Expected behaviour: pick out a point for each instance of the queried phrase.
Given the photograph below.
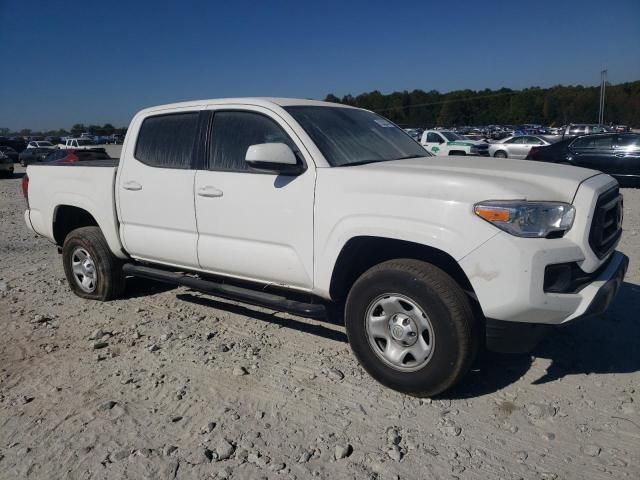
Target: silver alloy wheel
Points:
(399, 332)
(84, 270)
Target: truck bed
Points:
(88, 185)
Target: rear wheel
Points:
(500, 154)
(411, 327)
(91, 269)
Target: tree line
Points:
(75, 131)
(555, 106)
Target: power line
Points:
(441, 102)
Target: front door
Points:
(254, 225)
(435, 143)
(155, 190)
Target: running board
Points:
(230, 292)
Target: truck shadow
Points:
(141, 287)
(253, 312)
(601, 345)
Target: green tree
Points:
(78, 129)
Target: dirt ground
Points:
(168, 383)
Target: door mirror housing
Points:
(273, 158)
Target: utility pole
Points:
(603, 87)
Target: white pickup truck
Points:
(77, 143)
(445, 142)
(299, 205)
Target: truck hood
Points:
(475, 179)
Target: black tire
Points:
(500, 154)
(457, 152)
(455, 328)
(109, 278)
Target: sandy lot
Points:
(168, 383)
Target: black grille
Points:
(606, 226)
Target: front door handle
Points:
(619, 155)
(132, 185)
(209, 191)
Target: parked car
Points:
(32, 155)
(414, 133)
(573, 130)
(18, 144)
(77, 143)
(40, 144)
(516, 147)
(9, 152)
(426, 256)
(6, 165)
(617, 154)
(69, 155)
(446, 142)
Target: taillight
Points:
(25, 188)
(72, 157)
(533, 151)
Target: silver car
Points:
(516, 147)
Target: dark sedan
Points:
(31, 155)
(9, 152)
(615, 154)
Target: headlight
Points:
(528, 219)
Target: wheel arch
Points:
(363, 252)
(67, 218)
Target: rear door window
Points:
(167, 141)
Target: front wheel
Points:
(500, 154)
(91, 269)
(411, 327)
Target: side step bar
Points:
(230, 292)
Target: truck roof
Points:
(258, 101)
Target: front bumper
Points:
(519, 337)
(507, 275)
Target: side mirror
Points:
(273, 158)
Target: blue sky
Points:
(68, 62)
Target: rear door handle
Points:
(209, 191)
(619, 155)
(132, 185)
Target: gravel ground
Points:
(167, 383)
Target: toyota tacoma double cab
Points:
(311, 207)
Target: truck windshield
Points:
(348, 136)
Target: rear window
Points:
(167, 141)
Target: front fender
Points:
(457, 243)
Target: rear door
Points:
(528, 143)
(254, 225)
(155, 189)
(517, 147)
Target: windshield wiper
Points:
(361, 162)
